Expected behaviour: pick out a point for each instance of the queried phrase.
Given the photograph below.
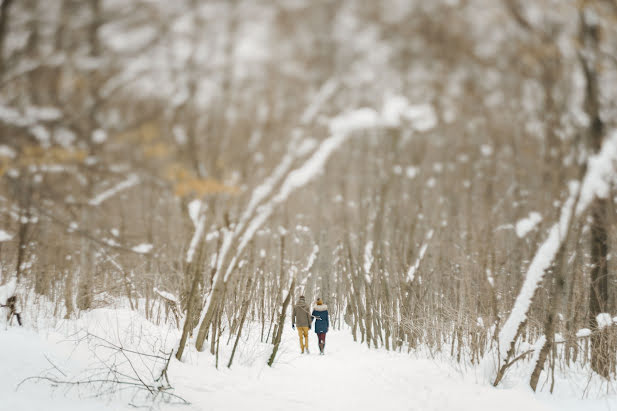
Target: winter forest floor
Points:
(349, 376)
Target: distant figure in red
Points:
(322, 323)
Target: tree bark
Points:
(4, 18)
(598, 288)
(281, 324)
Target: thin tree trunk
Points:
(557, 291)
(281, 324)
(598, 288)
(4, 19)
(243, 312)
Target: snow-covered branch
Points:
(596, 183)
(131, 181)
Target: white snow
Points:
(99, 136)
(600, 173)
(486, 150)
(6, 151)
(368, 257)
(489, 277)
(64, 136)
(527, 224)
(4, 236)
(324, 93)
(142, 248)
(43, 113)
(180, 135)
(311, 259)
(199, 221)
(166, 295)
(42, 135)
(194, 209)
(423, 117)
(307, 145)
(411, 273)
(411, 172)
(583, 332)
(132, 180)
(397, 108)
(7, 290)
(200, 226)
(360, 119)
(348, 376)
(393, 109)
(604, 320)
(11, 116)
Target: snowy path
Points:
(348, 377)
(352, 377)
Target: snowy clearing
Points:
(349, 376)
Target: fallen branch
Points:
(118, 371)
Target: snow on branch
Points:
(368, 260)
(312, 258)
(4, 236)
(324, 93)
(527, 224)
(295, 179)
(199, 231)
(596, 183)
(8, 289)
(195, 209)
(411, 274)
(143, 248)
(126, 184)
(604, 320)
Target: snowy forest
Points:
(174, 175)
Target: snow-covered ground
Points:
(349, 376)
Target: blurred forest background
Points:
(116, 116)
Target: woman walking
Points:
(322, 323)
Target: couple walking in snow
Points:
(303, 318)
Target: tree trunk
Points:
(4, 18)
(281, 324)
(244, 311)
(601, 357)
(598, 288)
(557, 291)
(191, 305)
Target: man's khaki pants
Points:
(303, 334)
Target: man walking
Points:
(302, 318)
